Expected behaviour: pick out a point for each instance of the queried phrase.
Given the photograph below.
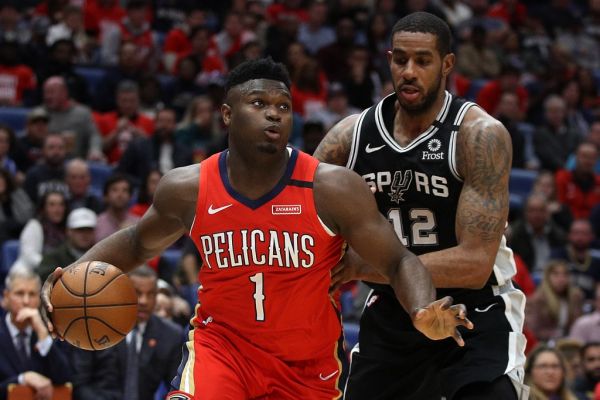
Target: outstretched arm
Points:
(358, 220)
(168, 218)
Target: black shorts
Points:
(394, 361)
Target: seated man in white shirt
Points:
(28, 355)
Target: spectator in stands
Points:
(535, 235)
(17, 80)
(71, 28)
(508, 81)
(309, 88)
(186, 86)
(585, 328)
(361, 82)
(580, 189)
(81, 223)
(128, 68)
(582, 48)
(199, 128)
(12, 24)
(152, 96)
(584, 263)
(545, 184)
(577, 118)
(28, 149)
(475, 59)
(49, 172)
(177, 41)
(68, 115)
(590, 359)
(15, 207)
(60, 62)
(589, 92)
(232, 37)
(133, 28)
(336, 110)
(78, 180)
(29, 356)
(158, 342)
(117, 196)
(555, 304)
(7, 143)
(315, 34)
(120, 127)
(378, 39)
(171, 306)
(553, 141)
(592, 136)
(570, 349)
(331, 58)
(43, 233)
(97, 14)
(545, 372)
(202, 51)
(95, 375)
(146, 193)
(159, 151)
(511, 116)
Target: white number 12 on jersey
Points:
(259, 297)
(423, 224)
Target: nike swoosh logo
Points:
(331, 375)
(370, 149)
(485, 309)
(212, 210)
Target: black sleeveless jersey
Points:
(417, 186)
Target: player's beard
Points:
(427, 102)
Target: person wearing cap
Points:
(81, 223)
(28, 149)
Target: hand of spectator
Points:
(440, 319)
(46, 305)
(33, 318)
(40, 384)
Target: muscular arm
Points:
(167, 219)
(335, 146)
(370, 234)
(484, 154)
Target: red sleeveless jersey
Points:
(267, 262)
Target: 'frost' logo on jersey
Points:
(434, 145)
(286, 210)
(400, 184)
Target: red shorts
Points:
(218, 364)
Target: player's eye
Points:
(285, 107)
(257, 102)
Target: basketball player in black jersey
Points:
(439, 168)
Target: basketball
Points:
(94, 305)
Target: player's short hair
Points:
(424, 22)
(262, 68)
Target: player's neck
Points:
(255, 176)
(409, 125)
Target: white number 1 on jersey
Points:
(259, 297)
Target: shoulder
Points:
(335, 146)
(477, 120)
(177, 190)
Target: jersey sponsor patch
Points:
(178, 395)
(433, 152)
(292, 209)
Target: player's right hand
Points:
(46, 304)
(440, 320)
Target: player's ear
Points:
(448, 63)
(226, 113)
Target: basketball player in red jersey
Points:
(269, 222)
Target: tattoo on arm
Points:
(335, 146)
(485, 161)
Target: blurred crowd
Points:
(100, 98)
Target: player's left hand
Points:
(440, 319)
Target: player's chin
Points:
(269, 147)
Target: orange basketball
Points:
(95, 305)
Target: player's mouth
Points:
(409, 92)
(273, 132)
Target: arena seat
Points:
(351, 330)
(93, 76)
(520, 185)
(99, 173)
(171, 259)
(10, 252)
(15, 117)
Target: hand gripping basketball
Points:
(440, 319)
(92, 305)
